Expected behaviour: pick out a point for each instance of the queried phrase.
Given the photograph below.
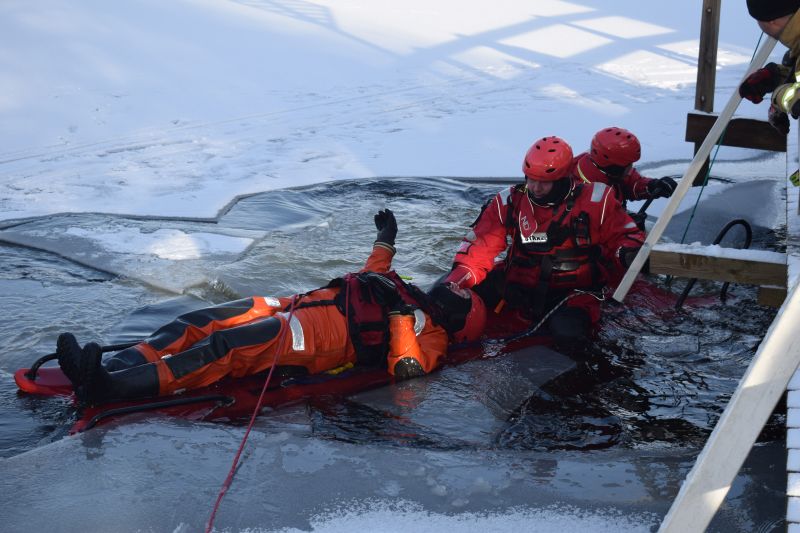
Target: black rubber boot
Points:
(69, 358)
(407, 368)
(92, 376)
(571, 329)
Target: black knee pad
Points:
(570, 328)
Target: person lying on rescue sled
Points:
(610, 160)
(369, 318)
(568, 241)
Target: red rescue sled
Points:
(235, 399)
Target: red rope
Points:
(228, 480)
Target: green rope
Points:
(703, 187)
(711, 163)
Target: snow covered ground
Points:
(173, 110)
(176, 109)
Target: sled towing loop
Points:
(31, 374)
(747, 240)
(220, 399)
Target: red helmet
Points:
(549, 159)
(461, 311)
(475, 322)
(615, 147)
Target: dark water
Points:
(650, 379)
(654, 379)
(650, 376)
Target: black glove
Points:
(627, 255)
(387, 226)
(778, 119)
(662, 187)
(761, 82)
(382, 289)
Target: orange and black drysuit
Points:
(575, 245)
(349, 321)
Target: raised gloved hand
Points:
(778, 119)
(387, 226)
(761, 82)
(661, 187)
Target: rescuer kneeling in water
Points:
(369, 318)
(568, 241)
(610, 160)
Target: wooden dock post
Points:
(706, 71)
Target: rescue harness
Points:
(563, 258)
(365, 299)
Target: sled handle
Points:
(31, 374)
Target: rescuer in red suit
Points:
(610, 160)
(562, 239)
(369, 318)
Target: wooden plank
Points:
(749, 408)
(696, 265)
(683, 185)
(741, 132)
(771, 296)
(707, 60)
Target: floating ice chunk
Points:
(439, 490)
(460, 502)
(680, 344)
(163, 243)
(481, 486)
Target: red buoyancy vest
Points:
(366, 299)
(575, 244)
(560, 253)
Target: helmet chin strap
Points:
(611, 176)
